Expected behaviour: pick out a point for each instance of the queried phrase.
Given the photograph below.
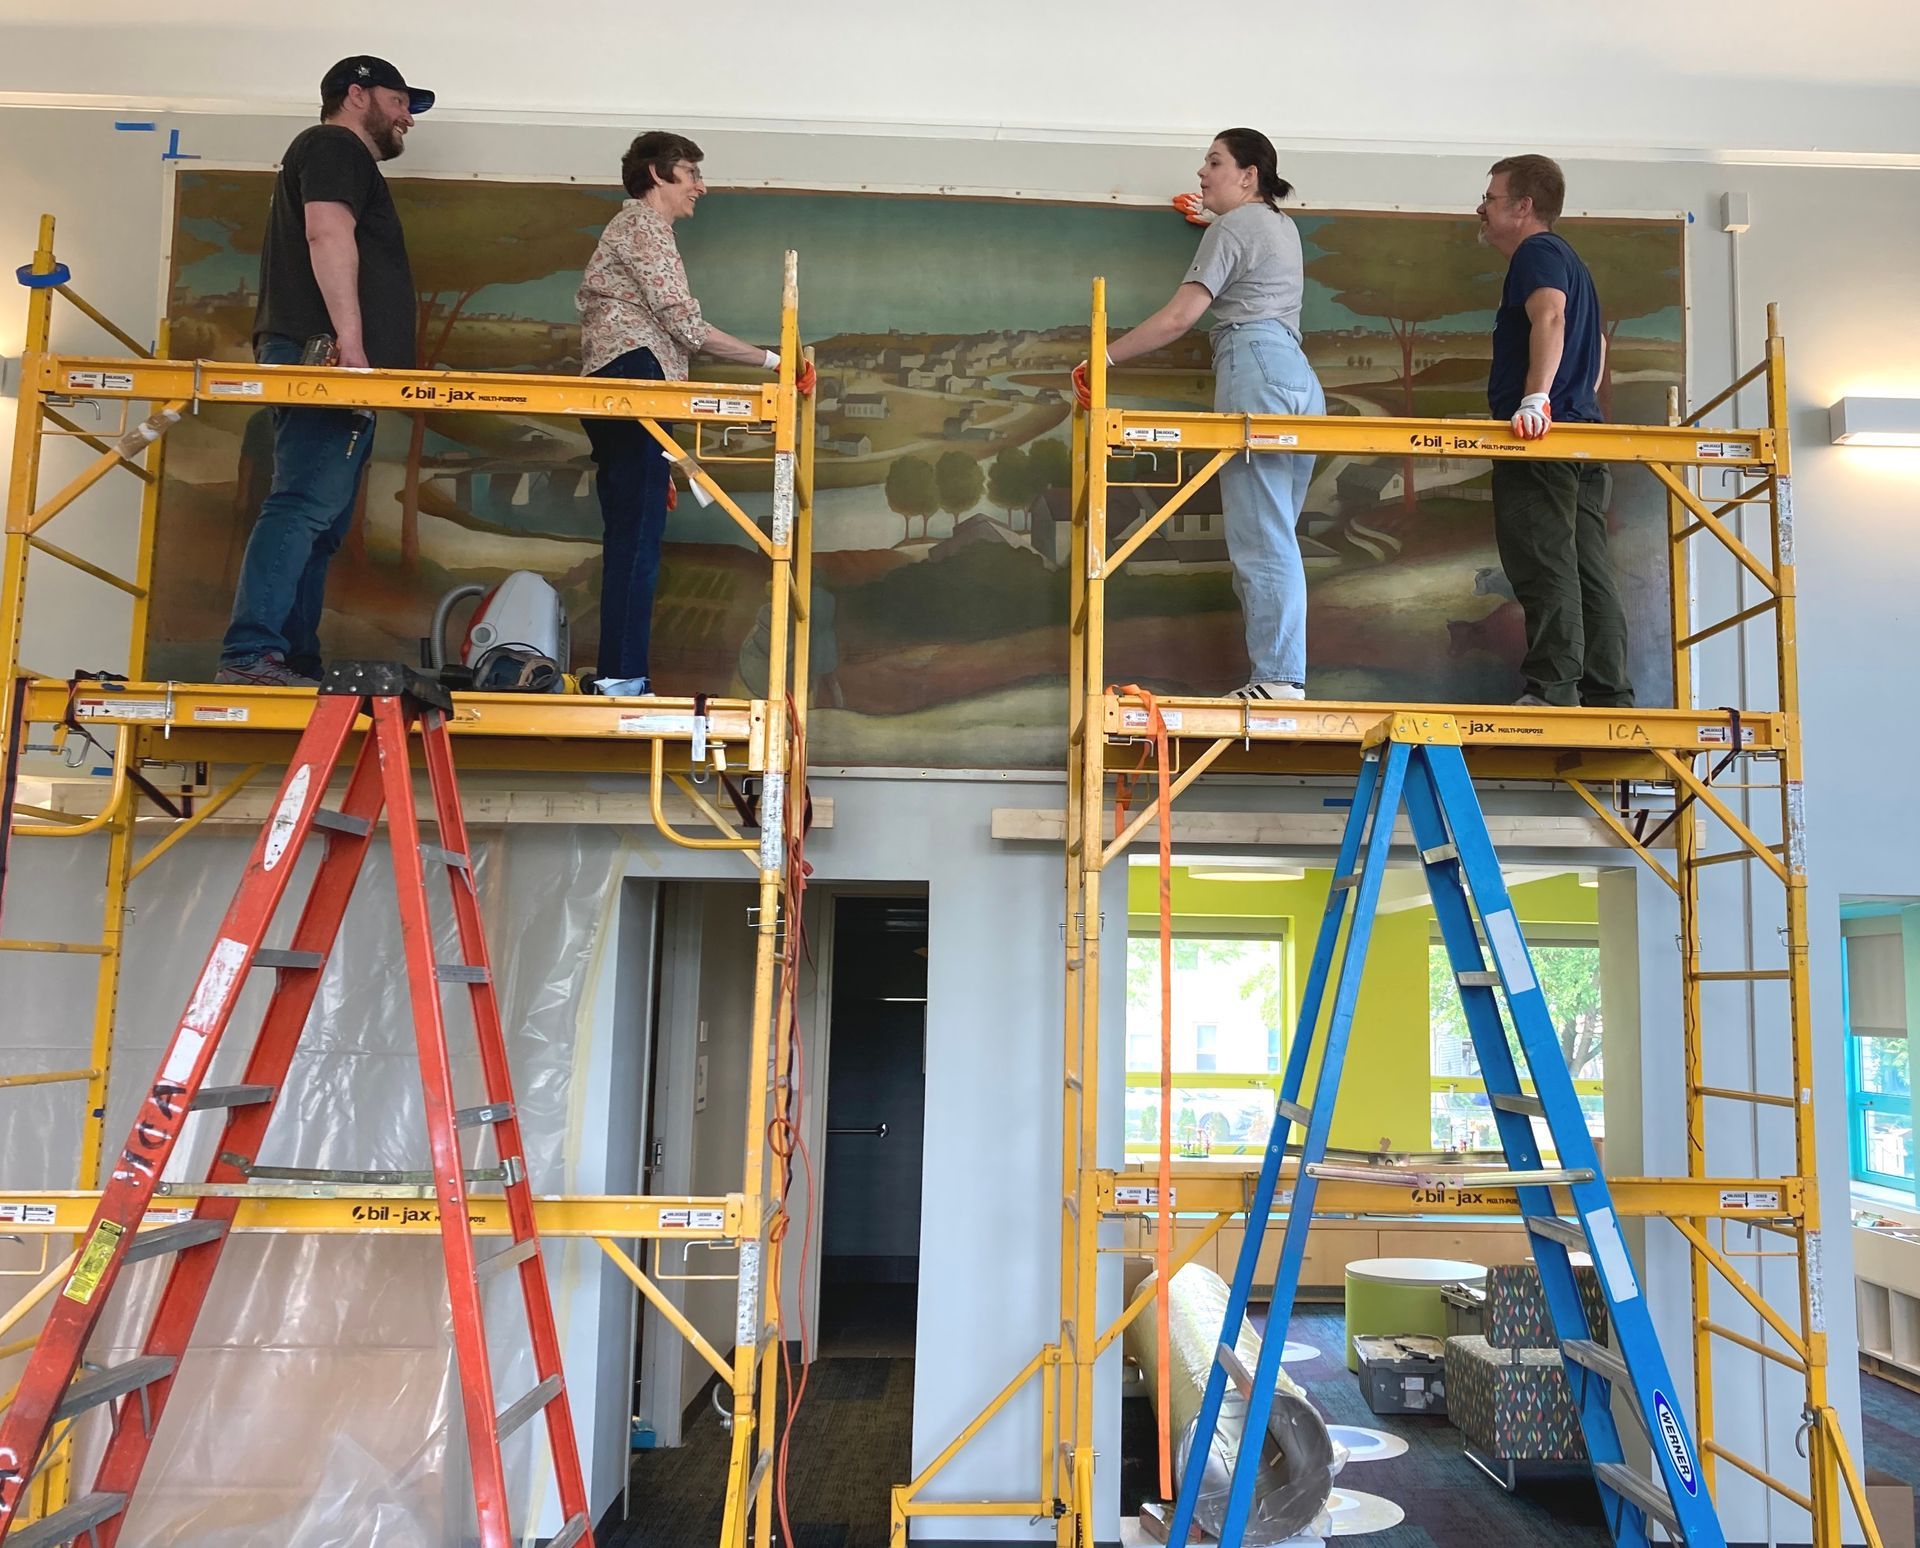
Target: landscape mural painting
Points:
(945, 329)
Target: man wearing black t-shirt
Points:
(334, 263)
(1550, 518)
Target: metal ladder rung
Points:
(341, 822)
(1294, 1112)
(1529, 1106)
(64, 948)
(1635, 1487)
(519, 1412)
(1237, 1373)
(173, 1238)
(438, 854)
(97, 1387)
(228, 1096)
(569, 1534)
(473, 1117)
(1346, 883)
(1604, 1363)
(274, 957)
(460, 973)
(500, 1262)
(1438, 853)
(1567, 1232)
(508, 1172)
(64, 1525)
(1482, 980)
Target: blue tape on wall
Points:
(173, 151)
(125, 126)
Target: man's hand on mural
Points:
(1534, 418)
(1189, 205)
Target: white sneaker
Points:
(1258, 690)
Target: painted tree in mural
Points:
(960, 483)
(1051, 465)
(461, 238)
(1409, 275)
(1010, 482)
(912, 491)
(1636, 271)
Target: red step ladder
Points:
(398, 701)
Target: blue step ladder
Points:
(1415, 761)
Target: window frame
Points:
(1536, 935)
(1860, 1102)
(1240, 927)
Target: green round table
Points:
(1402, 1295)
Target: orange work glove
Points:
(673, 493)
(1189, 205)
(806, 379)
(1534, 418)
(1082, 385)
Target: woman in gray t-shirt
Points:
(1249, 271)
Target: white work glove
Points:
(1534, 417)
(773, 360)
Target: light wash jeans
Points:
(1260, 368)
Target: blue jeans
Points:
(317, 467)
(1259, 368)
(632, 483)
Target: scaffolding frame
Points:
(1591, 752)
(666, 741)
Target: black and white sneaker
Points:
(1257, 691)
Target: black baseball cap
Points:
(365, 70)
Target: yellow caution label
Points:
(94, 1258)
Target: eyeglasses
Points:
(692, 169)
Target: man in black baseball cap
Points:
(333, 267)
(365, 70)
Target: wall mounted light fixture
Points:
(1875, 422)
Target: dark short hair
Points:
(1538, 178)
(1251, 148)
(652, 157)
(330, 104)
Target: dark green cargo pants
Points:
(1550, 523)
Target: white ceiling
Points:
(1754, 80)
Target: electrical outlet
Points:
(703, 1031)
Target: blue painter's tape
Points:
(125, 126)
(173, 151)
(52, 280)
(1337, 801)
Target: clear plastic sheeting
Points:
(1300, 1460)
(317, 1407)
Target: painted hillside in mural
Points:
(945, 330)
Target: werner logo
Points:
(1675, 1442)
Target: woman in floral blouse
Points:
(639, 320)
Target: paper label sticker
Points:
(1610, 1255)
(656, 725)
(1503, 933)
(27, 1214)
(674, 1218)
(1272, 723)
(1144, 1198)
(238, 389)
(205, 713)
(746, 1322)
(1154, 434)
(286, 816)
(707, 1219)
(1667, 1422)
(1716, 449)
(100, 381)
(216, 983)
(113, 707)
(94, 1259)
(734, 408)
(1722, 736)
(1749, 1198)
(1273, 440)
(1140, 720)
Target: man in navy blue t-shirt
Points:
(1550, 518)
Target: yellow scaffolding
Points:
(665, 740)
(1588, 751)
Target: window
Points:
(1229, 1001)
(1873, 1002)
(1568, 966)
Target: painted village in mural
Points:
(944, 331)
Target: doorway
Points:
(876, 1109)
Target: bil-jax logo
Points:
(1675, 1442)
